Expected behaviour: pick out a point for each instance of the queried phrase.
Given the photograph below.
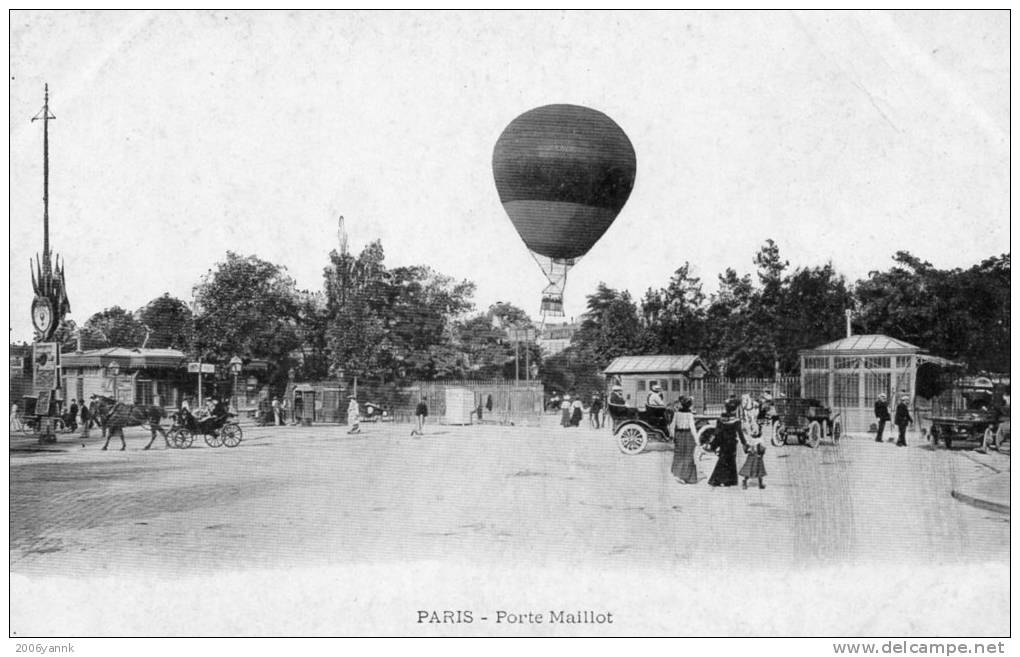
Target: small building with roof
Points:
(677, 374)
(848, 375)
(135, 376)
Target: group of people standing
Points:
(729, 434)
(902, 419)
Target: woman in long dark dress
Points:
(684, 468)
(727, 434)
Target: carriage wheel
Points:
(776, 437)
(989, 437)
(837, 431)
(1000, 436)
(213, 440)
(231, 435)
(814, 434)
(183, 438)
(632, 439)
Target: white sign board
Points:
(206, 368)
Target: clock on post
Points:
(50, 304)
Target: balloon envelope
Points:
(563, 173)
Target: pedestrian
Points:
(754, 464)
(596, 411)
(83, 410)
(276, 410)
(724, 443)
(576, 412)
(420, 413)
(882, 415)
(284, 410)
(902, 420)
(565, 411)
(353, 415)
(299, 407)
(72, 416)
(684, 469)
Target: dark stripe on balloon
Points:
(556, 229)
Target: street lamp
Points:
(114, 371)
(235, 367)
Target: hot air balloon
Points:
(563, 173)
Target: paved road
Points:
(541, 496)
(309, 531)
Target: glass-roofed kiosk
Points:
(848, 375)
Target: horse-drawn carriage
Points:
(217, 431)
(807, 420)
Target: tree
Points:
(169, 321)
(113, 327)
(958, 314)
(247, 307)
(487, 349)
(354, 333)
(675, 316)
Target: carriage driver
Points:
(217, 414)
(655, 407)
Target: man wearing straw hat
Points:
(882, 415)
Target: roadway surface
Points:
(546, 499)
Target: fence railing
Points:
(716, 390)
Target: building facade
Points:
(677, 375)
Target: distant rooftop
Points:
(654, 364)
(124, 357)
(873, 343)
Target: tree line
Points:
(394, 323)
(754, 324)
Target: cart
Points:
(807, 420)
(985, 418)
(216, 433)
(984, 427)
(44, 425)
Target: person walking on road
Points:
(276, 410)
(576, 411)
(724, 443)
(565, 411)
(902, 420)
(596, 411)
(420, 413)
(882, 415)
(353, 415)
(684, 470)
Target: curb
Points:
(980, 502)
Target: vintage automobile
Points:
(807, 420)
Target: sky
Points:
(843, 136)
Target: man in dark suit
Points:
(882, 414)
(902, 420)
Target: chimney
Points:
(849, 331)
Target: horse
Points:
(748, 414)
(113, 416)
